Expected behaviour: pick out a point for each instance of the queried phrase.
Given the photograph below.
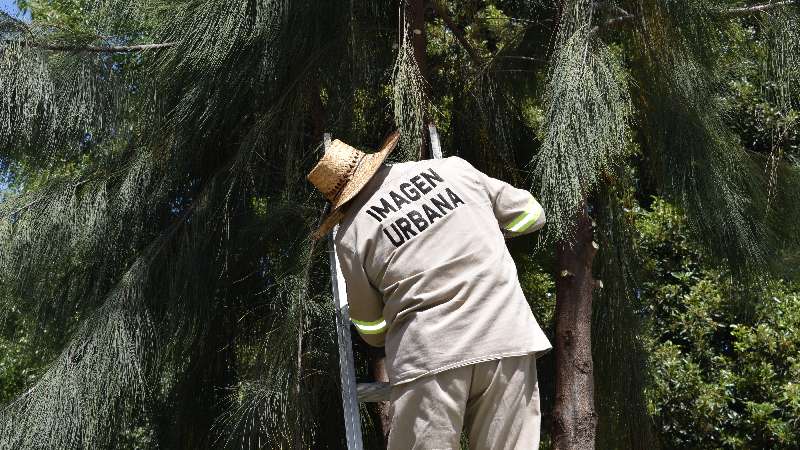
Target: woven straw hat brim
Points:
(365, 170)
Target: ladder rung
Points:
(373, 392)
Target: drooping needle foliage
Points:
(156, 227)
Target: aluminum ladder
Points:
(353, 393)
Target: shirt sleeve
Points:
(516, 210)
(365, 301)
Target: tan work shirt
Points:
(427, 271)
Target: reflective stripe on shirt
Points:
(521, 223)
(374, 327)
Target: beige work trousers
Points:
(496, 402)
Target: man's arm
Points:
(516, 210)
(366, 302)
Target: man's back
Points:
(422, 249)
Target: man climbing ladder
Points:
(421, 248)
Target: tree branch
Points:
(757, 8)
(742, 11)
(457, 32)
(96, 48)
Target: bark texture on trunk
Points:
(574, 417)
(415, 15)
(378, 369)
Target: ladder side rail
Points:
(436, 146)
(347, 372)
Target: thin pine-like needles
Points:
(586, 118)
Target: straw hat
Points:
(341, 174)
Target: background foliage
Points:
(158, 288)
(723, 354)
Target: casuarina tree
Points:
(157, 228)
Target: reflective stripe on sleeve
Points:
(374, 327)
(521, 223)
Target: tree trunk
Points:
(377, 367)
(574, 417)
(415, 13)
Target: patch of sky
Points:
(5, 178)
(10, 7)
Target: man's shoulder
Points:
(456, 160)
(345, 235)
(459, 165)
(386, 179)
